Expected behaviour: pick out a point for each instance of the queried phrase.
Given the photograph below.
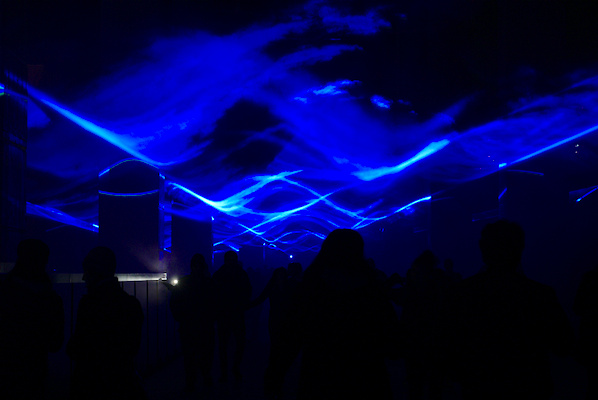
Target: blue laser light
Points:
(559, 143)
(371, 174)
(587, 194)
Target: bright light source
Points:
(175, 282)
(291, 256)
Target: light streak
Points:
(526, 172)
(587, 194)
(59, 216)
(128, 194)
(109, 136)
(124, 161)
(371, 174)
(557, 144)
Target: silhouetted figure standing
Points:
(107, 334)
(346, 325)
(31, 323)
(279, 291)
(501, 326)
(421, 301)
(192, 305)
(233, 293)
(586, 306)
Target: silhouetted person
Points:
(279, 291)
(233, 293)
(586, 306)
(501, 326)
(449, 271)
(346, 325)
(31, 323)
(192, 305)
(380, 275)
(421, 301)
(107, 334)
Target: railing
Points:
(159, 343)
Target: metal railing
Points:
(159, 343)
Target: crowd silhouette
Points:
(342, 320)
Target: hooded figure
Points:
(345, 324)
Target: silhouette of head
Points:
(99, 264)
(199, 265)
(342, 248)
(425, 262)
(32, 258)
(231, 258)
(502, 244)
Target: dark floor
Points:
(168, 383)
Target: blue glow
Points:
(128, 194)
(111, 137)
(371, 174)
(291, 256)
(557, 144)
(526, 172)
(328, 90)
(334, 21)
(502, 193)
(381, 101)
(124, 161)
(329, 148)
(59, 216)
(587, 194)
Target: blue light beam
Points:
(371, 174)
(557, 144)
(109, 136)
(587, 194)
